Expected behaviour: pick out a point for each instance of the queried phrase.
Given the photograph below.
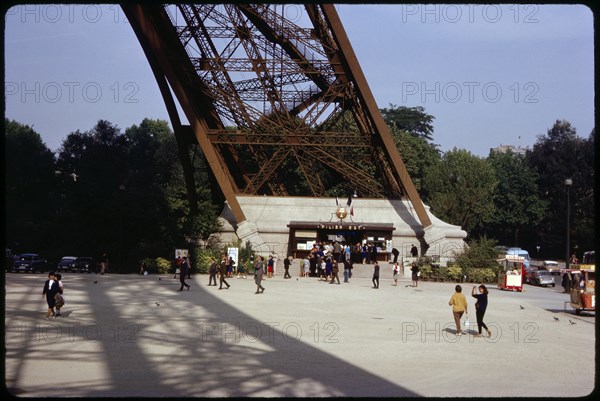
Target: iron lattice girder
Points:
(303, 80)
(298, 139)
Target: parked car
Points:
(66, 264)
(541, 277)
(551, 266)
(29, 262)
(85, 264)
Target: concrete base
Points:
(267, 219)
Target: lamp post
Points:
(568, 183)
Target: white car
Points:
(551, 266)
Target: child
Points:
(59, 299)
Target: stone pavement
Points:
(130, 335)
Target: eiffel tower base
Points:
(269, 219)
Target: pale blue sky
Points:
(489, 74)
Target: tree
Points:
(556, 156)
(418, 156)
(412, 131)
(517, 202)
(461, 189)
(413, 120)
(30, 190)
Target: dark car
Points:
(85, 264)
(29, 262)
(67, 264)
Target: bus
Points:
(519, 252)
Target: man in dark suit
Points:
(183, 273)
(223, 271)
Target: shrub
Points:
(482, 275)
(426, 271)
(455, 272)
(163, 266)
(202, 259)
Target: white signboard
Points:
(233, 254)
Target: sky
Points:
(490, 75)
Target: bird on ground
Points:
(159, 279)
(521, 306)
(555, 318)
(96, 282)
(157, 304)
(572, 322)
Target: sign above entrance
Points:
(340, 226)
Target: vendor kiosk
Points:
(512, 275)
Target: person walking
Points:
(49, 291)
(459, 307)
(480, 307)
(328, 268)
(415, 274)
(376, 276)
(414, 252)
(212, 272)
(337, 251)
(335, 269)
(59, 299)
(177, 266)
(241, 270)
(566, 282)
(287, 262)
(347, 269)
(306, 265)
(223, 273)
(183, 273)
(258, 274)
(395, 273)
(104, 263)
(270, 267)
(230, 266)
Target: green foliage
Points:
(454, 272)
(426, 272)
(413, 120)
(202, 259)
(461, 189)
(517, 201)
(158, 265)
(478, 261)
(556, 156)
(484, 275)
(31, 201)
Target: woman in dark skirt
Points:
(415, 274)
(50, 290)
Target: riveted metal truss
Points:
(271, 99)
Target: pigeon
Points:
(571, 322)
(157, 304)
(555, 318)
(159, 279)
(96, 282)
(521, 306)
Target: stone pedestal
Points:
(267, 219)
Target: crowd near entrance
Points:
(362, 242)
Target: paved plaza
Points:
(130, 335)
